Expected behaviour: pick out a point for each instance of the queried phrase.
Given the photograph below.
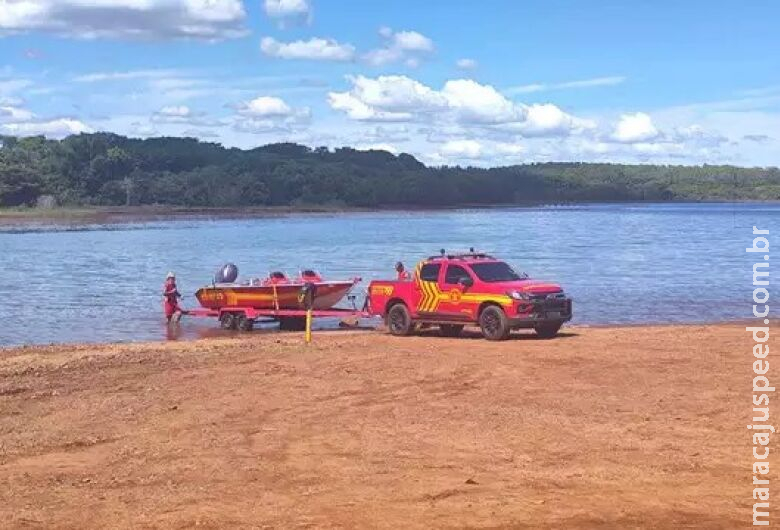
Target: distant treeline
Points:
(107, 169)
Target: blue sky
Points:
(452, 82)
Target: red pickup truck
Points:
(451, 291)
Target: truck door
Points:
(452, 288)
(427, 286)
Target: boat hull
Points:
(286, 296)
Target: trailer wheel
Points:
(292, 323)
(399, 321)
(547, 330)
(494, 324)
(244, 323)
(451, 330)
(227, 321)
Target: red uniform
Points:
(171, 295)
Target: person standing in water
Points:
(171, 299)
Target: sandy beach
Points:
(623, 427)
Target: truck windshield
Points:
(496, 271)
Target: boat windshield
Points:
(496, 271)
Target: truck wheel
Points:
(292, 324)
(227, 321)
(244, 323)
(399, 321)
(547, 330)
(451, 330)
(493, 322)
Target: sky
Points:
(482, 83)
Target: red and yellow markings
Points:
(380, 290)
(432, 296)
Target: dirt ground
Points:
(600, 428)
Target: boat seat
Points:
(276, 278)
(308, 275)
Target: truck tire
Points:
(547, 330)
(451, 330)
(399, 321)
(244, 323)
(227, 321)
(493, 323)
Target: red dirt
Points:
(599, 428)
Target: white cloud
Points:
(10, 86)
(510, 150)
(660, 148)
(200, 133)
(634, 128)
(15, 114)
(269, 114)
(11, 101)
(382, 56)
(462, 106)
(178, 111)
(265, 107)
(315, 49)
(478, 151)
(57, 128)
(466, 64)
(163, 86)
(143, 130)
(758, 138)
(587, 83)
(378, 147)
(582, 83)
(356, 109)
(127, 19)
(412, 41)
(286, 8)
(407, 46)
(549, 120)
(386, 134)
(480, 103)
(99, 77)
(395, 93)
(386, 98)
(182, 114)
(525, 89)
(468, 149)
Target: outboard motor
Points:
(226, 274)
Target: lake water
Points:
(622, 263)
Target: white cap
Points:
(170, 275)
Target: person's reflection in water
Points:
(173, 331)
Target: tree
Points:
(110, 169)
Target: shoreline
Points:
(217, 334)
(615, 427)
(21, 217)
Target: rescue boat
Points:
(277, 291)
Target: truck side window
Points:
(430, 272)
(455, 273)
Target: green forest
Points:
(110, 170)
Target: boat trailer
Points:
(244, 318)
